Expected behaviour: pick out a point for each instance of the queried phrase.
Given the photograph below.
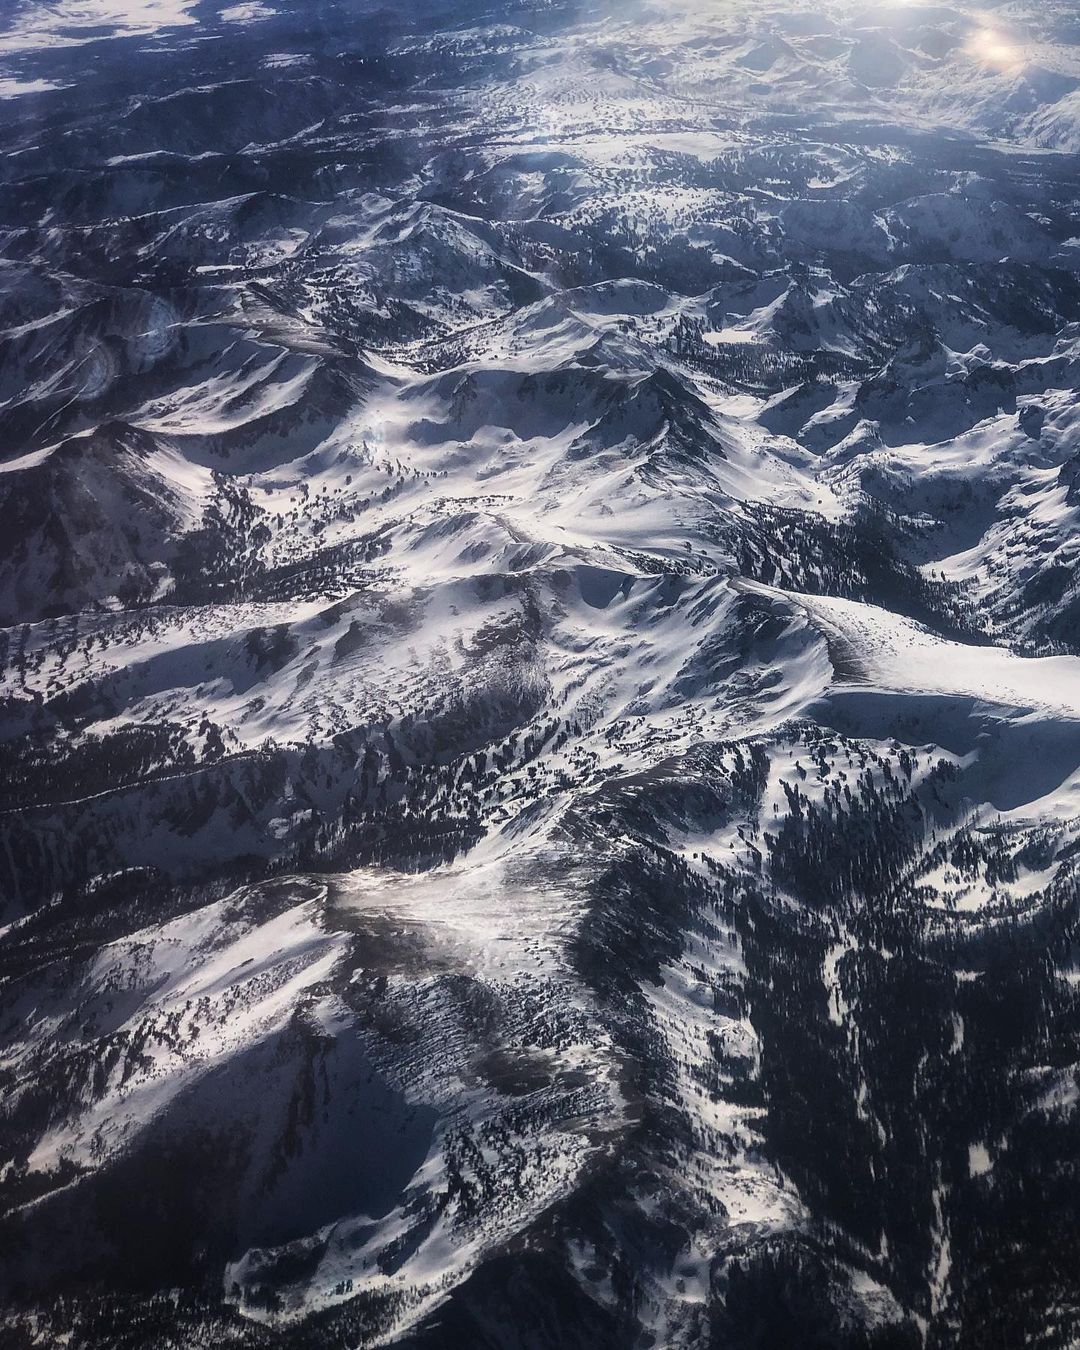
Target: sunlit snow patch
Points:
(74, 22)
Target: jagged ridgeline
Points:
(539, 676)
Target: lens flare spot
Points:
(992, 47)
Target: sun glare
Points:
(994, 48)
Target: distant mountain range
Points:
(540, 675)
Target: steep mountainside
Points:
(540, 675)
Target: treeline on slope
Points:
(853, 559)
(943, 1035)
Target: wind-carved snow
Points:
(899, 654)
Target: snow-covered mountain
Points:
(540, 674)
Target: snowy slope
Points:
(540, 675)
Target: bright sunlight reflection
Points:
(995, 48)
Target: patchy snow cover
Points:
(541, 722)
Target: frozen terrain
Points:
(539, 675)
